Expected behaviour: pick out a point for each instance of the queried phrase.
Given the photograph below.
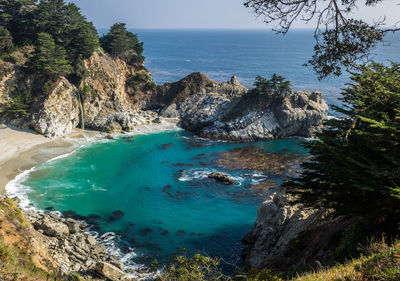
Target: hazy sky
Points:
(172, 14)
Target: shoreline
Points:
(26, 149)
(22, 150)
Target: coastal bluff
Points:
(229, 111)
(115, 97)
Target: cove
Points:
(148, 196)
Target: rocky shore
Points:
(75, 251)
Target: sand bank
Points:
(21, 150)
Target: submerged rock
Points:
(220, 177)
(256, 158)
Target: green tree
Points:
(16, 16)
(6, 41)
(49, 59)
(341, 39)
(123, 44)
(277, 84)
(355, 164)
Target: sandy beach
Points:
(21, 150)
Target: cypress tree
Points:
(355, 164)
(49, 59)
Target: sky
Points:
(199, 14)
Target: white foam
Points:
(15, 188)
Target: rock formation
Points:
(287, 236)
(109, 102)
(116, 97)
(229, 111)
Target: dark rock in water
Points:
(182, 165)
(116, 215)
(49, 209)
(167, 145)
(109, 137)
(166, 188)
(257, 158)
(147, 188)
(165, 232)
(220, 177)
(146, 231)
(180, 232)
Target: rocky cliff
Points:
(287, 236)
(229, 111)
(110, 102)
(116, 97)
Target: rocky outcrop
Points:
(287, 236)
(117, 97)
(229, 111)
(73, 250)
(222, 178)
(109, 103)
(58, 113)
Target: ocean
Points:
(147, 196)
(173, 54)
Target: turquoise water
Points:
(152, 192)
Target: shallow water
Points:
(149, 195)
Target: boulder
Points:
(220, 177)
(73, 225)
(53, 228)
(109, 271)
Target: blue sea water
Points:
(148, 195)
(173, 54)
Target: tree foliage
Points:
(50, 59)
(355, 164)
(74, 37)
(341, 41)
(276, 85)
(199, 268)
(6, 41)
(123, 44)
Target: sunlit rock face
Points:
(228, 111)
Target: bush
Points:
(199, 268)
(19, 105)
(382, 264)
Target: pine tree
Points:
(123, 44)
(355, 164)
(49, 59)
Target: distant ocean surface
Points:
(173, 54)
